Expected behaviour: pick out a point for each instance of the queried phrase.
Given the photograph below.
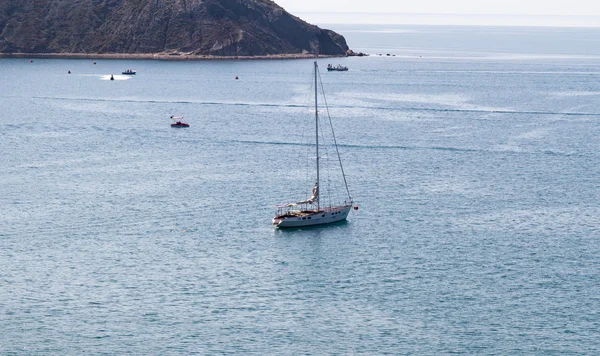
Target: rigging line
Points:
(334, 139)
(327, 180)
(326, 164)
(302, 178)
(306, 134)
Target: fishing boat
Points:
(338, 68)
(129, 72)
(179, 122)
(320, 208)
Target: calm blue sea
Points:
(472, 153)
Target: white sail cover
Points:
(313, 199)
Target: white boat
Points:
(314, 210)
(338, 68)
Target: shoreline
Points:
(162, 57)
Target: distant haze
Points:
(321, 18)
(564, 13)
(488, 7)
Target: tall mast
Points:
(317, 139)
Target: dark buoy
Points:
(356, 207)
(236, 77)
(69, 72)
(31, 61)
(112, 77)
(94, 62)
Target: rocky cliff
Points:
(192, 27)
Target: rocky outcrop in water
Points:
(176, 27)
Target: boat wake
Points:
(502, 150)
(295, 106)
(115, 77)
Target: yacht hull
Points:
(324, 216)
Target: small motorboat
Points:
(338, 68)
(129, 72)
(179, 122)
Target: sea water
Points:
(472, 153)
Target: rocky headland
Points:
(161, 29)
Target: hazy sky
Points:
(505, 7)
